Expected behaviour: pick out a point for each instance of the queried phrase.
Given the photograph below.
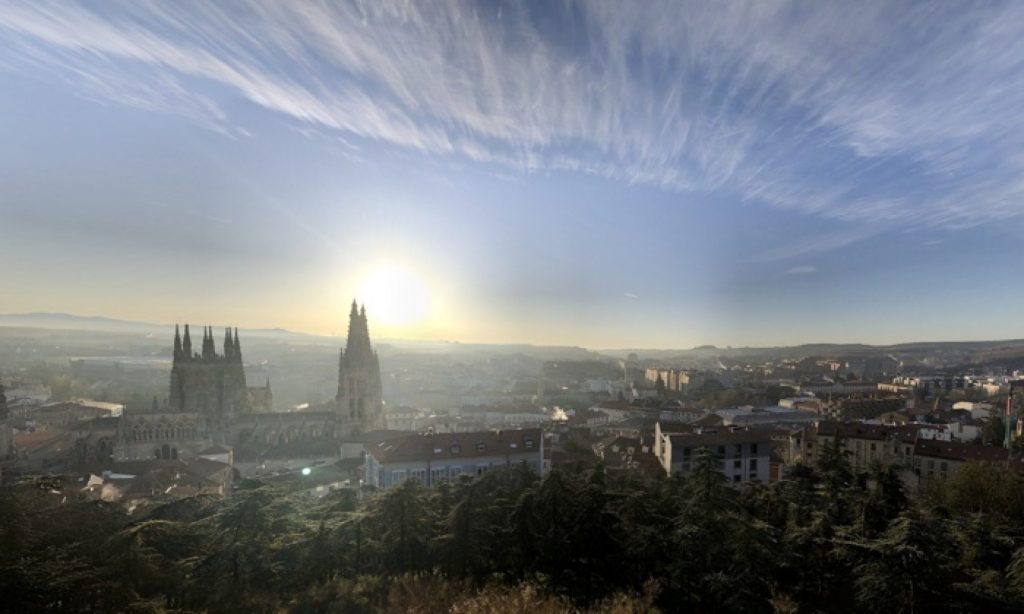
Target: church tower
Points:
(209, 383)
(360, 404)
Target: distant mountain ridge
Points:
(68, 321)
(72, 322)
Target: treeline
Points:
(826, 539)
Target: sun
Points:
(395, 296)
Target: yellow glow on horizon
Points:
(396, 298)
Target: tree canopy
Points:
(824, 539)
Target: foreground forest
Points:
(825, 539)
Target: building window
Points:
(872, 446)
(737, 464)
(528, 443)
(753, 449)
(753, 464)
(737, 478)
(721, 450)
(397, 477)
(455, 449)
(686, 452)
(480, 446)
(739, 450)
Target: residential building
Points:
(744, 456)
(826, 387)
(433, 458)
(938, 460)
(864, 444)
(673, 379)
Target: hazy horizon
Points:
(556, 174)
(414, 340)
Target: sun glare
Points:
(395, 296)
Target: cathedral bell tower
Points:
(360, 405)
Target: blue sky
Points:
(553, 172)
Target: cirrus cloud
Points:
(862, 114)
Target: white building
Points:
(961, 431)
(434, 458)
(743, 456)
(979, 411)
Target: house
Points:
(433, 458)
(967, 430)
(42, 448)
(138, 483)
(979, 411)
(628, 454)
(618, 410)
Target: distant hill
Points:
(67, 321)
(1000, 352)
(72, 322)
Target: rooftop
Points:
(456, 445)
(952, 450)
(719, 439)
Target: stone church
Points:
(210, 403)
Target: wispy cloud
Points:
(805, 269)
(817, 244)
(861, 113)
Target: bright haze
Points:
(591, 173)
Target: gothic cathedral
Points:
(210, 404)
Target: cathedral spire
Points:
(177, 343)
(208, 348)
(354, 333)
(186, 346)
(238, 348)
(364, 327)
(229, 344)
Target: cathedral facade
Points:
(209, 402)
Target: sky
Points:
(585, 173)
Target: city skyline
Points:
(570, 174)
